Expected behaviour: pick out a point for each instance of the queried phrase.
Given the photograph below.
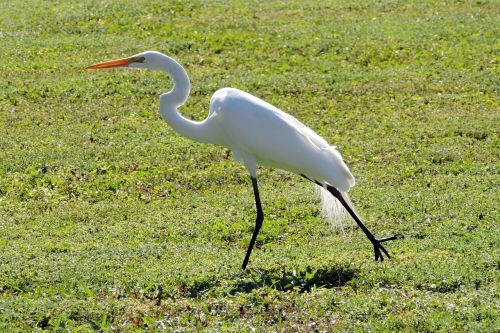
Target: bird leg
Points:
(377, 243)
(258, 221)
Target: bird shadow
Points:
(281, 279)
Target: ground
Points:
(110, 221)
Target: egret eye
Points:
(138, 59)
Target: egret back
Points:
(255, 128)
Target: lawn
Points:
(110, 221)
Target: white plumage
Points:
(257, 133)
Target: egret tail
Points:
(331, 209)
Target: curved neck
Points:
(172, 100)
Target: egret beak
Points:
(116, 63)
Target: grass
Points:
(109, 221)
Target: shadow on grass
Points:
(280, 279)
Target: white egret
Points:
(256, 132)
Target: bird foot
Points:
(379, 249)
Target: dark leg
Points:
(258, 221)
(376, 242)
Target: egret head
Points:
(148, 59)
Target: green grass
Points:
(110, 221)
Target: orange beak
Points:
(113, 63)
